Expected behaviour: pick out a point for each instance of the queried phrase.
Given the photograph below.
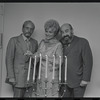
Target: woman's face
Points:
(50, 33)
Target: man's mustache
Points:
(67, 37)
(27, 33)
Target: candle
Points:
(40, 66)
(29, 69)
(65, 68)
(59, 68)
(46, 66)
(53, 67)
(34, 69)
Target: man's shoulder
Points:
(82, 39)
(13, 38)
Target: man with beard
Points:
(79, 62)
(19, 50)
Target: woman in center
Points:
(51, 47)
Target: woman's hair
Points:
(53, 24)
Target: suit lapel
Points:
(32, 46)
(22, 43)
(68, 49)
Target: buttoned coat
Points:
(79, 62)
(17, 63)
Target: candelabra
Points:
(46, 81)
(36, 94)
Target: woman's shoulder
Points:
(41, 42)
(59, 43)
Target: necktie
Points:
(28, 44)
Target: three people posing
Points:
(76, 49)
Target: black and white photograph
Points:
(49, 50)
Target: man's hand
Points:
(28, 53)
(12, 80)
(83, 83)
(37, 54)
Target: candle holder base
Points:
(64, 84)
(45, 89)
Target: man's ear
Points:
(72, 31)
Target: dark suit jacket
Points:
(16, 62)
(80, 61)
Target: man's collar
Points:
(71, 40)
(25, 38)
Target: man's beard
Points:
(66, 40)
(28, 35)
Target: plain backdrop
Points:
(84, 17)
